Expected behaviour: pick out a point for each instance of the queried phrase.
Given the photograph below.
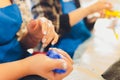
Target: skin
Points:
(39, 63)
(39, 30)
(36, 65)
(99, 6)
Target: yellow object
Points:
(109, 13)
(116, 34)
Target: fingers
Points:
(101, 5)
(42, 30)
(44, 25)
(68, 71)
(58, 64)
(53, 33)
(64, 63)
(63, 54)
(50, 36)
(56, 37)
(107, 5)
(43, 22)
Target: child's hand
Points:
(100, 5)
(42, 65)
(68, 65)
(42, 30)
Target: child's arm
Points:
(34, 65)
(39, 64)
(13, 70)
(4, 3)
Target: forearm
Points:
(13, 70)
(4, 3)
(78, 14)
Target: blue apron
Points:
(10, 23)
(78, 34)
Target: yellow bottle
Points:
(109, 13)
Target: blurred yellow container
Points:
(109, 13)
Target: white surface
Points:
(96, 55)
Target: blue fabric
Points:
(10, 23)
(78, 34)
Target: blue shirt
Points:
(78, 34)
(10, 23)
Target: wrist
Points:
(29, 65)
(25, 67)
(89, 10)
(33, 63)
